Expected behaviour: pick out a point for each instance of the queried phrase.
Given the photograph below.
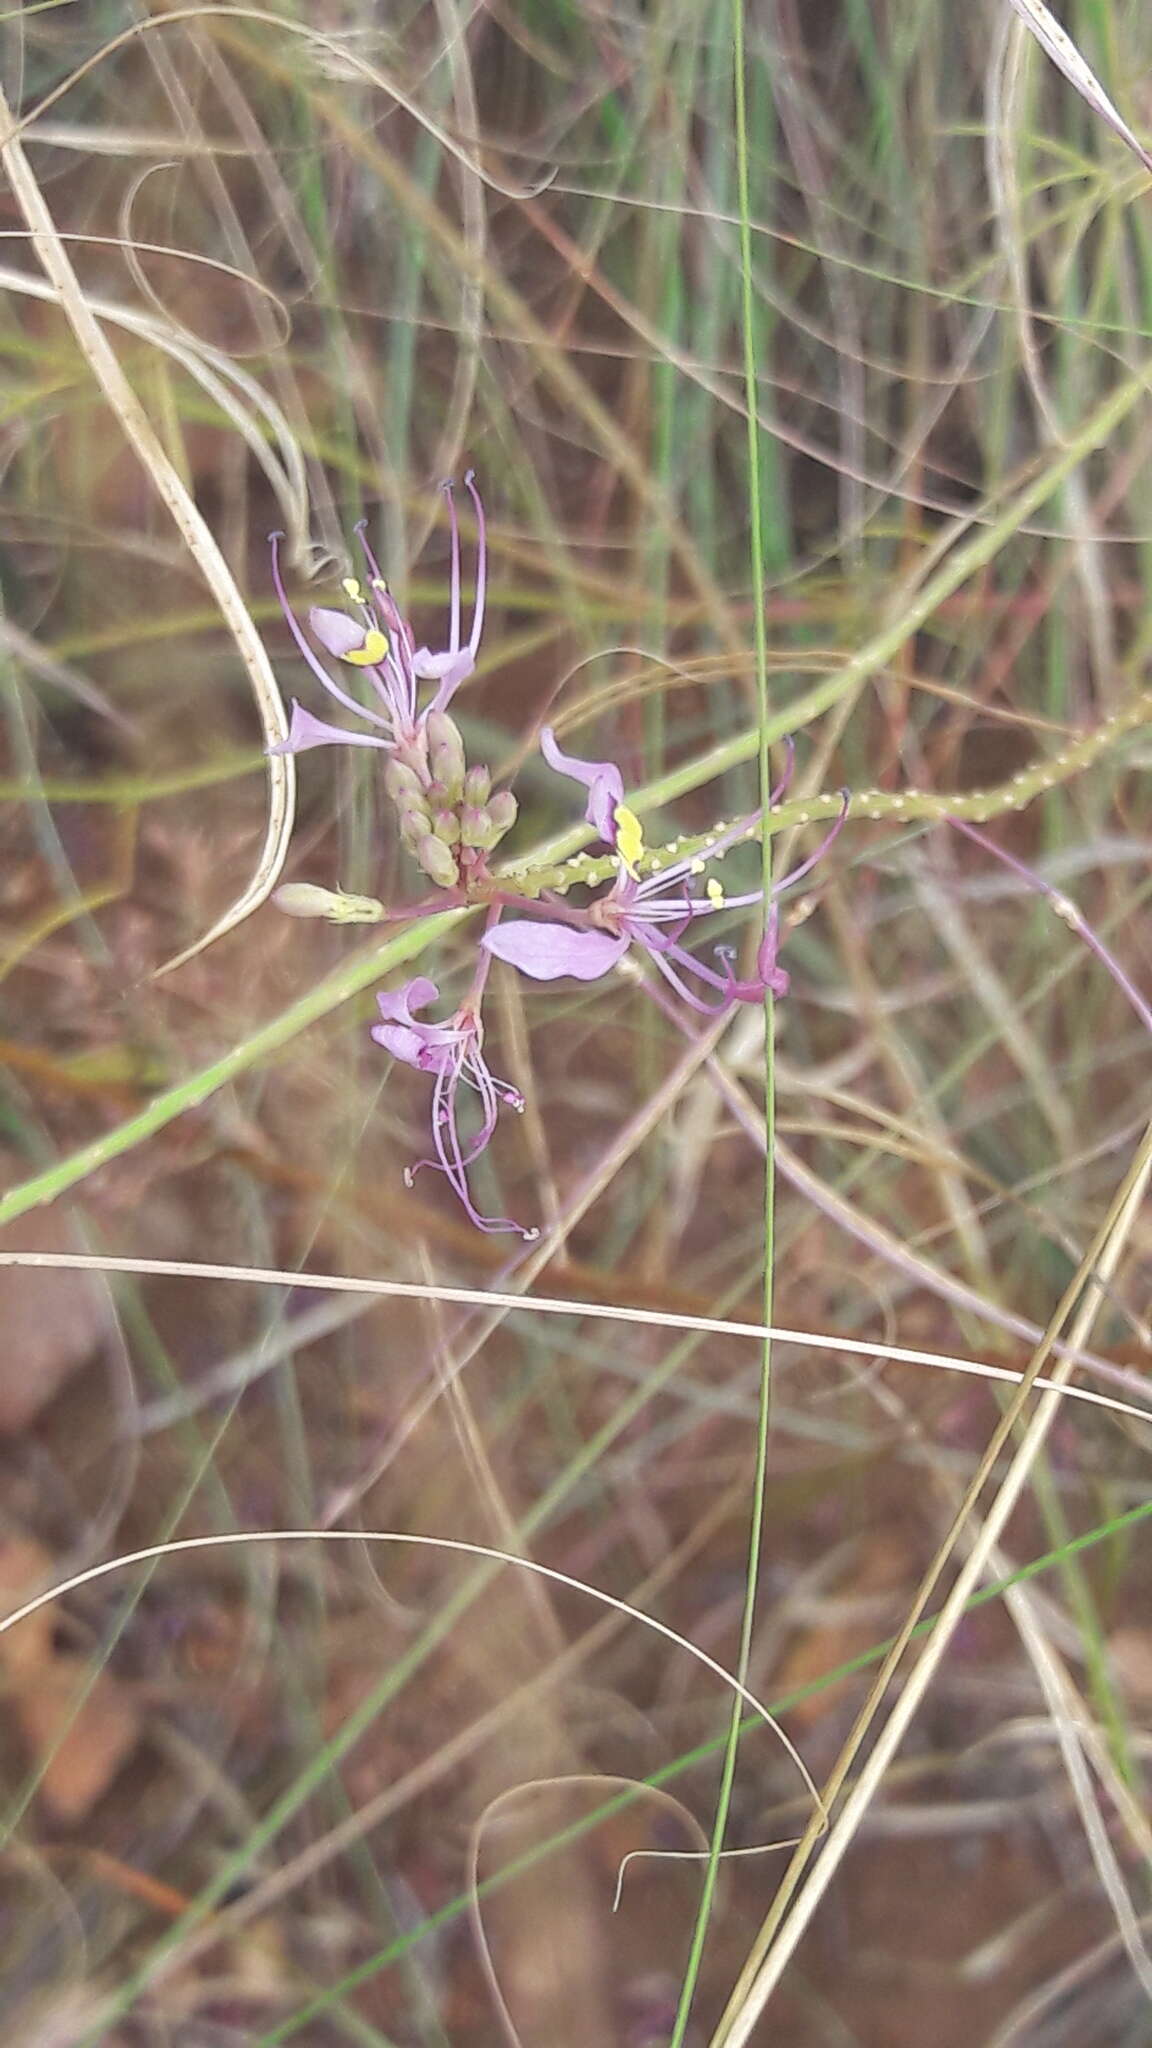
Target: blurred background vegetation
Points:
(342, 252)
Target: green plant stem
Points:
(547, 871)
(764, 738)
(348, 980)
(962, 562)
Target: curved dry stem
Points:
(233, 1539)
(1057, 44)
(599, 1785)
(163, 1413)
(804, 1884)
(214, 372)
(340, 51)
(194, 529)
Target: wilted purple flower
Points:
(653, 913)
(378, 639)
(454, 1054)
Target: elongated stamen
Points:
(806, 866)
(454, 1055)
(401, 686)
(451, 1156)
(642, 906)
(481, 565)
(375, 573)
(454, 612)
(662, 960)
(379, 594)
(696, 863)
(669, 910)
(777, 795)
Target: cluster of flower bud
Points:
(449, 819)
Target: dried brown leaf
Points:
(25, 1566)
(51, 1322)
(77, 1725)
(79, 1729)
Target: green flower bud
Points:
(414, 826)
(446, 826)
(475, 826)
(308, 899)
(478, 786)
(502, 812)
(413, 758)
(403, 783)
(437, 862)
(446, 753)
(414, 802)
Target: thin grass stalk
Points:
(356, 975)
(181, 1407)
(748, 322)
(784, 1928)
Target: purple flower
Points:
(378, 640)
(602, 780)
(453, 1053)
(606, 810)
(653, 913)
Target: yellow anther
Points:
(372, 653)
(629, 837)
(353, 589)
(695, 867)
(714, 893)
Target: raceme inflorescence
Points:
(450, 821)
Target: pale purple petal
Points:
(547, 952)
(431, 1047)
(337, 633)
(446, 667)
(602, 780)
(305, 731)
(402, 1042)
(397, 1004)
(448, 670)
